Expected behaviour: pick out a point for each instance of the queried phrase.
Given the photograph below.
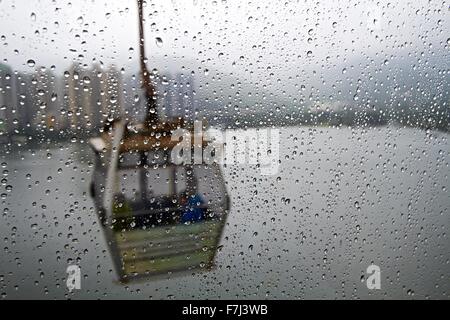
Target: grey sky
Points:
(264, 42)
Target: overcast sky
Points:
(261, 41)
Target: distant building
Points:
(176, 96)
(24, 101)
(133, 97)
(43, 108)
(93, 95)
(114, 94)
(165, 96)
(8, 100)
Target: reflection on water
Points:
(343, 199)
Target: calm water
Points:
(343, 199)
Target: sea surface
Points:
(342, 199)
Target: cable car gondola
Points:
(158, 217)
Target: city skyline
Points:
(83, 98)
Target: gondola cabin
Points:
(158, 218)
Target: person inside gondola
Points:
(193, 210)
(192, 201)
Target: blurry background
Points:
(359, 88)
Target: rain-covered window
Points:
(224, 149)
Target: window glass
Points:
(226, 149)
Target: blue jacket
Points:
(193, 212)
